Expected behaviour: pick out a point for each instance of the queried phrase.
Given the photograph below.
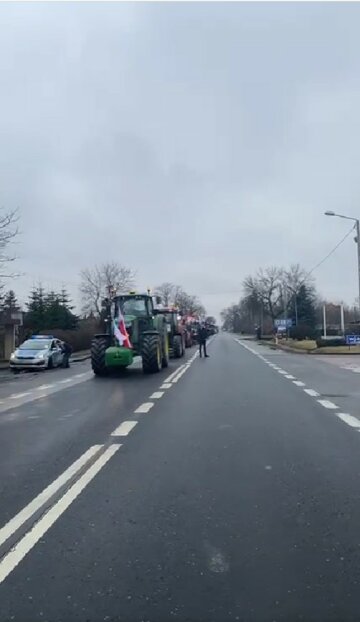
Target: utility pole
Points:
(285, 310)
(358, 257)
(342, 319)
(357, 240)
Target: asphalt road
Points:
(225, 489)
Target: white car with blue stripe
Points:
(38, 352)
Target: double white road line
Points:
(51, 503)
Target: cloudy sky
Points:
(191, 142)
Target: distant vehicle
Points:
(188, 336)
(176, 331)
(38, 352)
(194, 331)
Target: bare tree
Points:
(210, 319)
(172, 294)
(275, 291)
(95, 283)
(232, 319)
(295, 277)
(187, 304)
(267, 287)
(167, 291)
(8, 231)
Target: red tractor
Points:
(186, 324)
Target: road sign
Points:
(284, 322)
(352, 340)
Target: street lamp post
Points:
(357, 226)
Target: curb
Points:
(317, 352)
(288, 349)
(80, 358)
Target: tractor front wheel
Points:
(151, 354)
(98, 349)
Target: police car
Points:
(38, 352)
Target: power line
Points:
(331, 252)
(307, 274)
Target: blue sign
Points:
(284, 322)
(352, 340)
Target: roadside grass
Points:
(309, 345)
(306, 344)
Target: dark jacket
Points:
(66, 348)
(203, 334)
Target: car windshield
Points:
(35, 344)
(132, 306)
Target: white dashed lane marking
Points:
(144, 408)
(327, 404)
(166, 385)
(156, 395)
(353, 422)
(350, 420)
(312, 392)
(124, 428)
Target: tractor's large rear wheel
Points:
(151, 354)
(177, 346)
(98, 349)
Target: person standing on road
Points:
(67, 350)
(202, 337)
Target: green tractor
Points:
(176, 330)
(146, 335)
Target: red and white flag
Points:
(120, 331)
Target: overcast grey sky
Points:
(192, 142)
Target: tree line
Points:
(52, 310)
(277, 292)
